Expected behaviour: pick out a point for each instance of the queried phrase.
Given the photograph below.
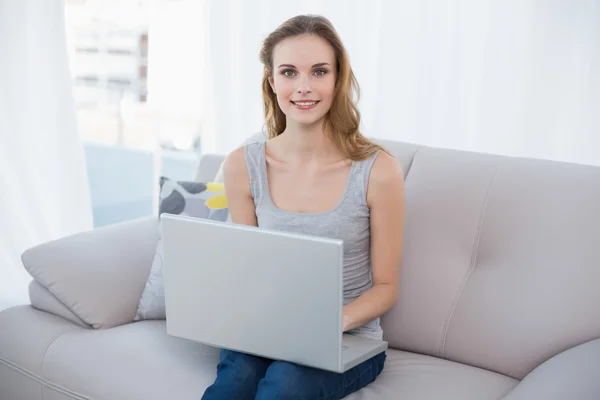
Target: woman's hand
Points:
(345, 322)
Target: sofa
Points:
(499, 295)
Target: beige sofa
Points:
(500, 296)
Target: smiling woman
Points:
(306, 68)
(317, 175)
(300, 85)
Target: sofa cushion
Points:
(190, 198)
(137, 361)
(26, 334)
(572, 374)
(414, 376)
(140, 361)
(99, 274)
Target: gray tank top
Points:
(348, 221)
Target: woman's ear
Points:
(272, 83)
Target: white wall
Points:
(516, 77)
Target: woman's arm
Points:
(237, 189)
(386, 200)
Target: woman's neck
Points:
(308, 144)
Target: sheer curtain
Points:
(44, 193)
(517, 77)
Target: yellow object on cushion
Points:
(215, 187)
(217, 202)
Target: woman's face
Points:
(304, 74)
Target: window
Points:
(126, 131)
(109, 54)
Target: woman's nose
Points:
(303, 86)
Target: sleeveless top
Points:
(349, 221)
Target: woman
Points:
(316, 174)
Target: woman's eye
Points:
(288, 73)
(320, 72)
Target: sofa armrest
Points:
(99, 275)
(572, 374)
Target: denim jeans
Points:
(246, 377)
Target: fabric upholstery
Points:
(140, 361)
(409, 376)
(441, 214)
(98, 275)
(25, 336)
(57, 394)
(134, 361)
(501, 262)
(41, 299)
(572, 374)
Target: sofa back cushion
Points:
(501, 259)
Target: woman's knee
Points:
(245, 366)
(238, 375)
(285, 380)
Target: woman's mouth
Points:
(305, 104)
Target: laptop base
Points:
(356, 349)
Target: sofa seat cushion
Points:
(135, 361)
(25, 336)
(410, 376)
(139, 361)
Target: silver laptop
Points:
(266, 293)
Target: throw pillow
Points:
(194, 199)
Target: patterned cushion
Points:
(194, 199)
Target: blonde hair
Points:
(343, 119)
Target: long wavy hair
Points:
(342, 121)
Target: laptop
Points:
(266, 293)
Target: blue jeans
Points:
(241, 376)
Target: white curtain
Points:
(515, 77)
(44, 190)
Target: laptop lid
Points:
(262, 292)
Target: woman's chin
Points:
(306, 122)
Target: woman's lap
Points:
(242, 376)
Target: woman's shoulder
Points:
(234, 166)
(237, 158)
(386, 177)
(386, 168)
(244, 161)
